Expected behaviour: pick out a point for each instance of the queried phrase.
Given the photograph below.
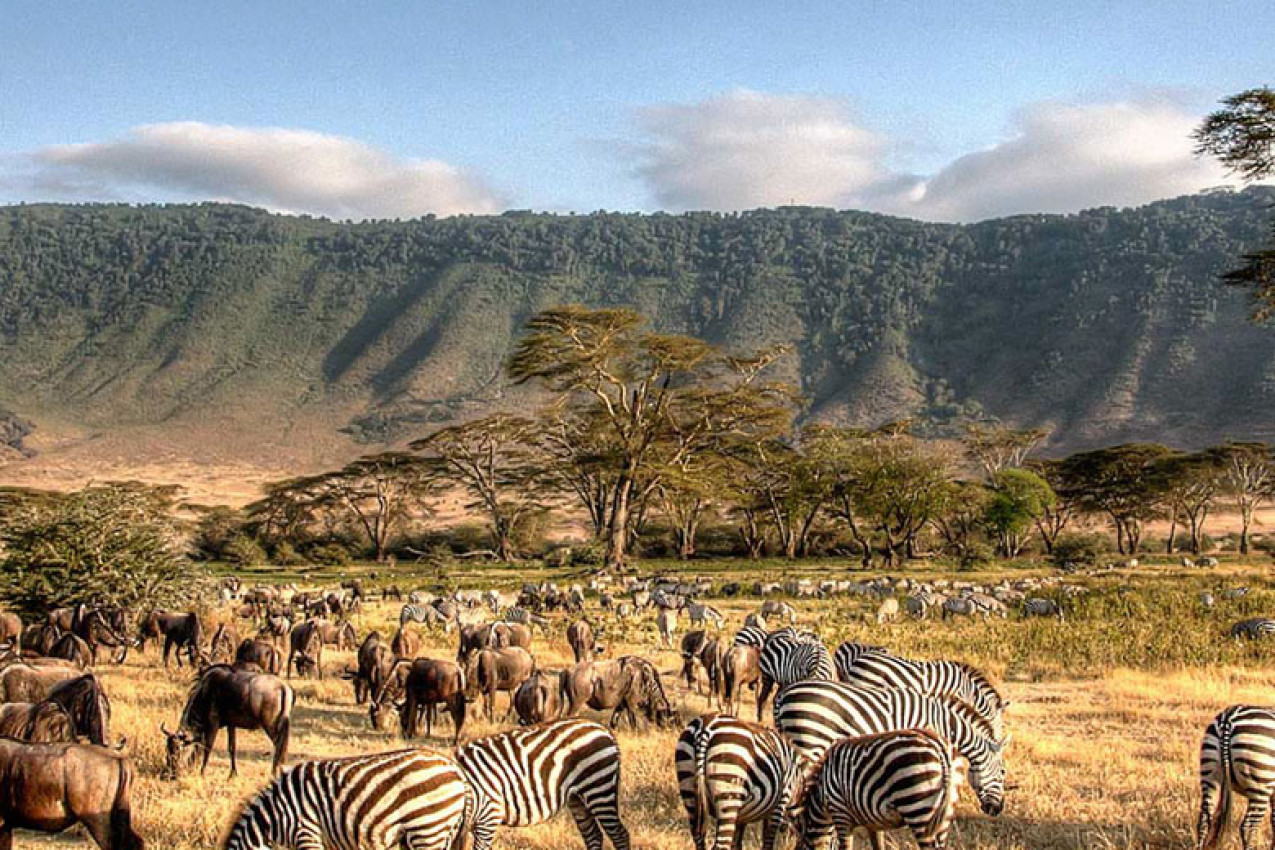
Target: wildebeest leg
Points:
(6, 838)
(429, 720)
(763, 694)
(98, 825)
(230, 745)
(210, 739)
(458, 717)
(168, 647)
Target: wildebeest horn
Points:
(163, 727)
(123, 742)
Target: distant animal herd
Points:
(862, 738)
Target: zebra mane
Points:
(969, 714)
(981, 681)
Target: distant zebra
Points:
(700, 614)
(409, 798)
(878, 668)
(738, 773)
(786, 659)
(526, 776)
(814, 715)
(1237, 755)
(414, 612)
(1040, 607)
(525, 617)
(751, 636)
(880, 782)
(1253, 628)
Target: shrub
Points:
(1080, 549)
(331, 554)
(243, 550)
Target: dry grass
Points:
(1104, 753)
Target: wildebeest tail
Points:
(122, 834)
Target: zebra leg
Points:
(1210, 796)
(589, 826)
(1254, 814)
(603, 807)
(729, 832)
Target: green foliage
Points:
(1079, 550)
(115, 544)
(1019, 499)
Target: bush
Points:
(243, 550)
(331, 554)
(1080, 550)
(285, 554)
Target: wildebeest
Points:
(100, 627)
(374, 661)
(84, 701)
(740, 667)
(491, 636)
(540, 697)
(51, 787)
(182, 632)
(39, 638)
(581, 640)
(71, 647)
(305, 649)
(426, 683)
(43, 722)
(340, 635)
(224, 643)
(234, 699)
(629, 684)
(701, 651)
(405, 643)
(10, 628)
(31, 680)
(492, 670)
(260, 653)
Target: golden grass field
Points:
(1106, 715)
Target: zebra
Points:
(700, 614)
(879, 782)
(1253, 628)
(525, 776)
(848, 652)
(1237, 754)
(787, 658)
(414, 612)
(814, 715)
(751, 636)
(1040, 607)
(879, 668)
(739, 773)
(526, 617)
(409, 798)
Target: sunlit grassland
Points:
(1107, 707)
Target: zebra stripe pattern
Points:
(417, 613)
(1040, 607)
(526, 776)
(815, 715)
(751, 636)
(788, 657)
(408, 798)
(1236, 756)
(869, 667)
(738, 773)
(1253, 628)
(881, 782)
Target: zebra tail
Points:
(946, 808)
(1212, 834)
(701, 771)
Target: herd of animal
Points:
(860, 739)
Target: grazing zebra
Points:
(814, 715)
(751, 636)
(1237, 755)
(1253, 628)
(1040, 607)
(525, 617)
(738, 773)
(410, 798)
(414, 612)
(878, 668)
(525, 776)
(786, 659)
(880, 782)
(700, 614)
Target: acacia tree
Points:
(1124, 482)
(1019, 499)
(997, 447)
(1192, 483)
(577, 459)
(642, 386)
(1057, 515)
(959, 520)
(1242, 135)
(493, 460)
(1248, 477)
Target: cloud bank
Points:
(280, 169)
(748, 149)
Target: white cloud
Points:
(281, 169)
(746, 150)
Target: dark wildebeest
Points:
(405, 644)
(424, 684)
(71, 647)
(708, 653)
(582, 641)
(627, 684)
(492, 670)
(84, 701)
(36, 722)
(181, 631)
(740, 668)
(392, 591)
(103, 627)
(10, 628)
(374, 663)
(234, 699)
(305, 649)
(66, 619)
(540, 698)
(261, 653)
(40, 637)
(31, 680)
(491, 636)
(51, 787)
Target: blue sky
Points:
(940, 110)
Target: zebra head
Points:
(987, 775)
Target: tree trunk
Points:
(1246, 517)
(618, 529)
(1170, 545)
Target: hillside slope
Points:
(220, 337)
